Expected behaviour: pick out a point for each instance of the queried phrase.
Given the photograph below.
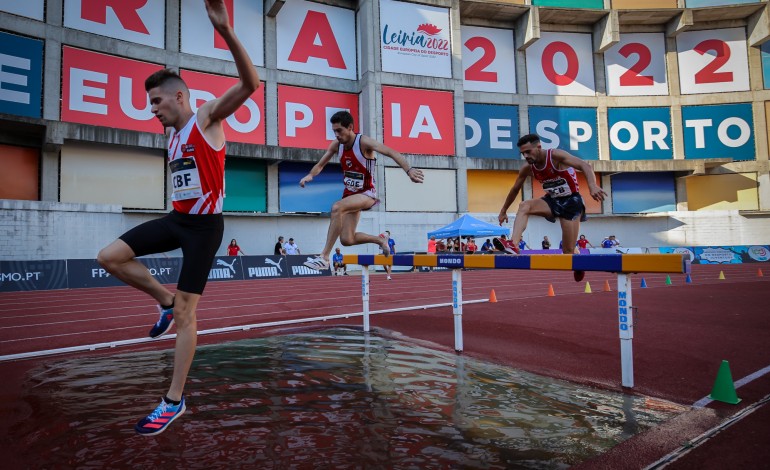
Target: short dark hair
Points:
(163, 77)
(528, 139)
(343, 118)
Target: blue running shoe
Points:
(164, 322)
(157, 421)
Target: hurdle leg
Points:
(365, 295)
(457, 307)
(626, 329)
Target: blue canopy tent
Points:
(467, 226)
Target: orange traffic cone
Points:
(607, 286)
(492, 297)
(759, 273)
(550, 291)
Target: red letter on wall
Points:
(220, 43)
(316, 25)
(125, 10)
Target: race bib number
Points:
(185, 181)
(354, 180)
(557, 188)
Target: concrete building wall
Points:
(50, 229)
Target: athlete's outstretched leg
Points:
(340, 224)
(350, 237)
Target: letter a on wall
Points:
(317, 39)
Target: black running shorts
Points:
(198, 235)
(568, 207)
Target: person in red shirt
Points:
(555, 170)
(583, 242)
(432, 245)
(196, 154)
(357, 157)
(471, 246)
(233, 248)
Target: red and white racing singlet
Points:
(557, 183)
(197, 171)
(357, 170)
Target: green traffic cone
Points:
(724, 388)
(668, 280)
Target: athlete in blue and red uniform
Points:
(555, 169)
(196, 154)
(356, 154)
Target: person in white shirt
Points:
(291, 247)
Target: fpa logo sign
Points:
(719, 131)
(570, 129)
(640, 133)
(491, 131)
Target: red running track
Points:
(682, 333)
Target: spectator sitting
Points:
(471, 247)
(487, 247)
(338, 265)
(522, 244)
(440, 246)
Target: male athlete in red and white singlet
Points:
(557, 183)
(356, 154)
(196, 159)
(555, 169)
(357, 170)
(197, 171)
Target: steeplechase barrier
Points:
(622, 264)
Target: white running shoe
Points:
(317, 263)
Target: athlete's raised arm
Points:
(318, 167)
(220, 108)
(368, 145)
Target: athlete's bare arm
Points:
(369, 145)
(333, 149)
(211, 114)
(524, 173)
(560, 157)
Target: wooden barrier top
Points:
(616, 263)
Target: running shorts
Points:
(568, 207)
(198, 235)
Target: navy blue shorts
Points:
(568, 207)
(198, 235)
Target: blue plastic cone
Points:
(688, 280)
(644, 283)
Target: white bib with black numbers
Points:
(557, 188)
(354, 180)
(185, 180)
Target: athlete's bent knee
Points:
(347, 240)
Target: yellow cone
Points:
(588, 287)
(721, 275)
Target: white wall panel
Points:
(437, 194)
(108, 175)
